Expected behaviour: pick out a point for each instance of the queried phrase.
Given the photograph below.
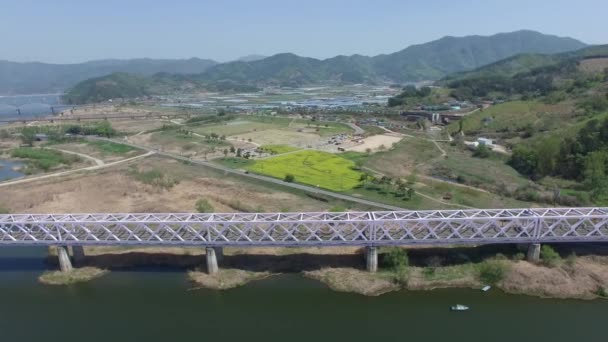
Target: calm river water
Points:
(152, 305)
(7, 169)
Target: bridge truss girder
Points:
(432, 227)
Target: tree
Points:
(104, 128)
(524, 160)
(482, 151)
(595, 173)
(28, 135)
(238, 152)
(232, 149)
(410, 193)
(225, 152)
(548, 151)
(364, 178)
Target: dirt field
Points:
(190, 146)
(282, 137)
(375, 142)
(114, 190)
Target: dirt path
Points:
(98, 162)
(69, 172)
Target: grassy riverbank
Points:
(77, 275)
(557, 275)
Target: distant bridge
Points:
(97, 117)
(304, 229)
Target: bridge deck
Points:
(431, 227)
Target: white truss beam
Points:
(430, 227)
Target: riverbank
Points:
(586, 279)
(341, 268)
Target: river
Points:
(7, 169)
(30, 106)
(156, 305)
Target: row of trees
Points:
(58, 133)
(398, 186)
(467, 89)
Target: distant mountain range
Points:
(35, 77)
(429, 61)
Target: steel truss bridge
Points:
(383, 228)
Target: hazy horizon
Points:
(68, 31)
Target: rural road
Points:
(358, 130)
(306, 188)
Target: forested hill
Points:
(30, 78)
(527, 62)
(128, 86)
(427, 61)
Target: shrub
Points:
(519, 256)
(396, 257)
(337, 209)
(203, 206)
(571, 260)
(492, 271)
(482, 151)
(401, 275)
(289, 178)
(601, 292)
(153, 177)
(549, 256)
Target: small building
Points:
(41, 137)
(485, 141)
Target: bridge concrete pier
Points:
(533, 252)
(371, 258)
(78, 255)
(219, 253)
(64, 259)
(212, 267)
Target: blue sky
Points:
(66, 31)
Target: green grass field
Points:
(111, 147)
(315, 168)
(516, 116)
(279, 149)
(42, 159)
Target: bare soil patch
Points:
(375, 143)
(593, 65)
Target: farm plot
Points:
(316, 168)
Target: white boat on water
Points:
(486, 288)
(459, 307)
